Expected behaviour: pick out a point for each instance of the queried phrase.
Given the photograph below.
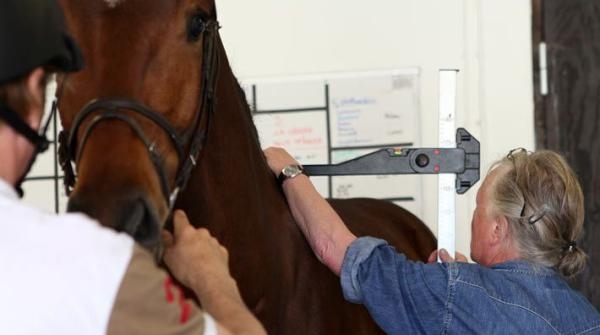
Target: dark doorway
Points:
(567, 117)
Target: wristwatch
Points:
(290, 171)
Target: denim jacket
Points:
(516, 297)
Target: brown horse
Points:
(168, 98)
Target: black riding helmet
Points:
(32, 34)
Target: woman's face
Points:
(483, 222)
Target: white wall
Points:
(488, 40)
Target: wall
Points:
(488, 40)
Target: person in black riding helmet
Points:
(66, 274)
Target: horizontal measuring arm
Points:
(462, 160)
(396, 161)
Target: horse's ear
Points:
(214, 13)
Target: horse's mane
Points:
(246, 108)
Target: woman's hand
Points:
(445, 257)
(277, 158)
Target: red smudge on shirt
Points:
(184, 305)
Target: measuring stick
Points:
(447, 181)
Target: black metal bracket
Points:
(462, 160)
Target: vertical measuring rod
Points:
(446, 232)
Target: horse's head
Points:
(136, 115)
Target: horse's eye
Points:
(195, 28)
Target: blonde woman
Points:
(525, 228)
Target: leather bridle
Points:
(194, 137)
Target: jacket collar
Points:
(519, 265)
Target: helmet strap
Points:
(40, 142)
(16, 122)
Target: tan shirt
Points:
(149, 302)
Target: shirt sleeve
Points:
(149, 302)
(402, 296)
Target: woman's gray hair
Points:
(541, 198)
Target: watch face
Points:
(291, 170)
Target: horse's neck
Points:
(234, 194)
(236, 162)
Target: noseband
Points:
(107, 109)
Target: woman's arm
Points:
(325, 231)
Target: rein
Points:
(107, 109)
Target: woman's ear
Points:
(501, 230)
(35, 93)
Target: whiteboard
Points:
(373, 110)
(330, 118)
(304, 133)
